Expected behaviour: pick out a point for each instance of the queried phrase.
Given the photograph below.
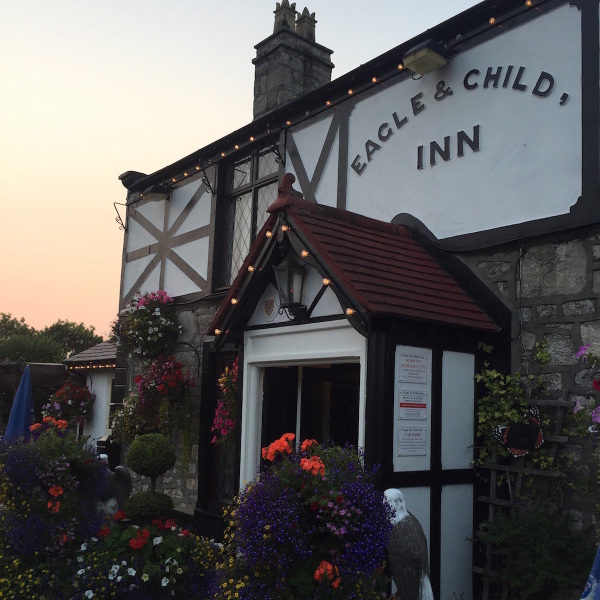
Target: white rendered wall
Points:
(100, 384)
(458, 409)
(456, 546)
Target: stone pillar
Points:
(289, 63)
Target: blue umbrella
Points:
(21, 413)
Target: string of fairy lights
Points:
(374, 80)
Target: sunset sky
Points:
(93, 89)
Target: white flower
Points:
(111, 576)
(89, 594)
(114, 568)
(81, 572)
(131, 571)
(124, 563)
(157, 540)
(119, 578)
(145, 577)
(80, 559)
(165, 581)
(179, 571)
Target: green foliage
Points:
(151, 455)
(539, 553)
(540, 352)
(10, 325)
(73, 337)
(31, 347)
(21, 343)
(148, 505)
(504, 403)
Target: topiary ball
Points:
(151, 455)
(145, 506)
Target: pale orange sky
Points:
(93, 89)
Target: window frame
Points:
(226, 195)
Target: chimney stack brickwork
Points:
(289, 63)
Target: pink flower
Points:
(596, 415)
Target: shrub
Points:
(540, 553)
(151, 455)
(148, 505)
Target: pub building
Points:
(356, 243)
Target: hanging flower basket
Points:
(72, 403)
(225, 414)
(146, 328)
(313, 526)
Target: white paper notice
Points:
(412, 441)
(412, 367)
(412, 404)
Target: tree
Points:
(73, 337)
(10, 325)
(31, 347)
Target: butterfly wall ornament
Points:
(522, 438)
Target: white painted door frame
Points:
(315, 343)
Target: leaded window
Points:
(250, 187)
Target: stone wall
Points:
(181, 482)
(552, 285)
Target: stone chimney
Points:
(289, 63)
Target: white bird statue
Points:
(407, 552)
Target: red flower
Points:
(137, 543)
(104, 531)
(145, 533)
(55, 491)
(339, 499)
(169, 524)
(158, 524)
(596, 384)
(119, 515)
(185, 533)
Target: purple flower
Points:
(596, 415)
(577, 406)
(583, 350)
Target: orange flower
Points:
(306, 444)
(54, 508)
(328, 572)
(55, 491)
(313, 464)
(280, 446)
(35, 427)
(49, 420)
(62, 424)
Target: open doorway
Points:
(313, 401)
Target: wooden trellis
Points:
(552, 440)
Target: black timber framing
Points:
(383, 338)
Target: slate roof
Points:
(381, 268)
(104, 352)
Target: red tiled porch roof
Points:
(383, 268)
